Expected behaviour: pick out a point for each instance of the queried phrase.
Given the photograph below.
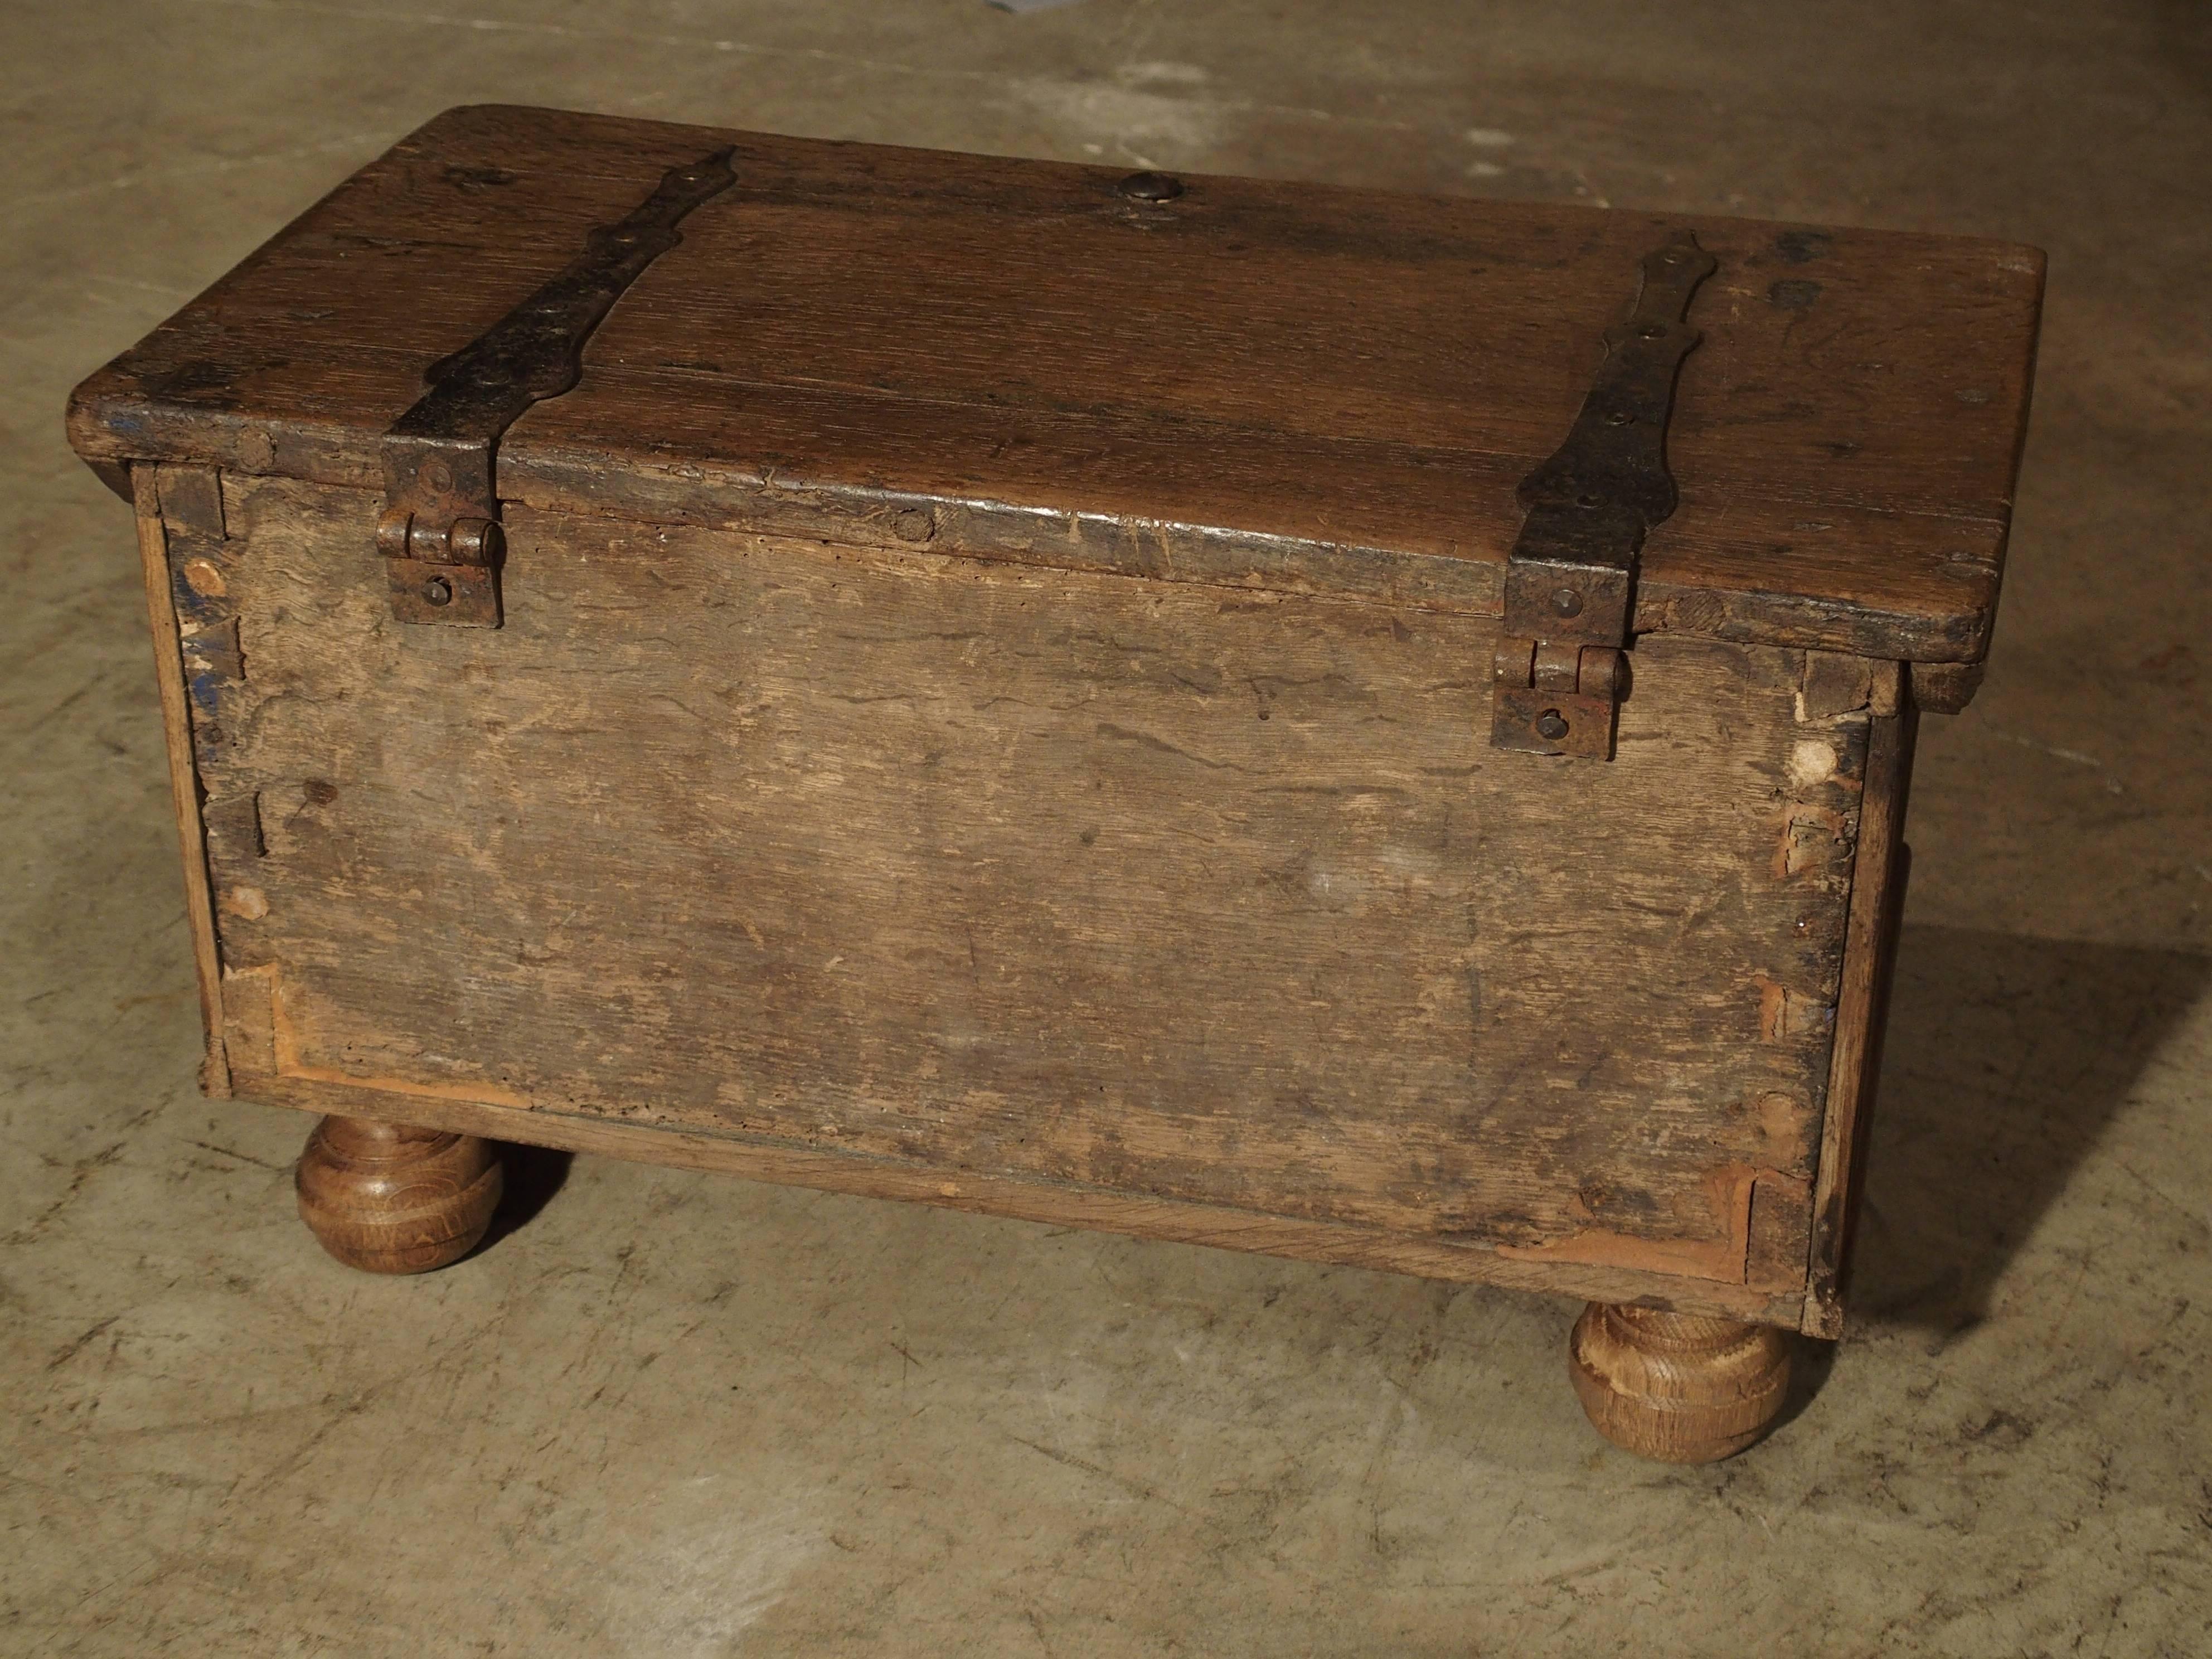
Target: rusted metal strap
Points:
(1571, 574)
(440, 532)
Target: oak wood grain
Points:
(396, 1198)
(1677, 1388)
(990, 872)
(1280, 384)
(1048, 1203)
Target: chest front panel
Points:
(1158, 889)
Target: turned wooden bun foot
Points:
(388, 1199)
(1677, 1387)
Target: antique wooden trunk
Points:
(1290, 718)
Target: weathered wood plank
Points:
(1195, 897)
(169, 681)
(1028, 1199)
(1870, 955)
(1293, 379)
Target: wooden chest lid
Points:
(1252, 383)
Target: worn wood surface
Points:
(1677, 1388)
(1025, 1198)
(396, 1198)
(1280, 385)
(170, 678)
(1107, 885)
(1877, 905)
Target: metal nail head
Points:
(1551, 725)
(1567, 603)
(437, 591)
(1151, 187)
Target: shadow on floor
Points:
(2005, 1059)
(532, 1174)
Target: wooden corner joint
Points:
(266, 1039)
(1833, 685)
(189, 501)
(1944, 688)
(1763, 1217)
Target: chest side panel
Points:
(1167, 889)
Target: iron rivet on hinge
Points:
(1151, 187)
(1567, 602)
(437, 591)
(1551, 725)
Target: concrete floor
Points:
(684, 1416)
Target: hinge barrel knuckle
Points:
(1510, 663)
(1559, 667)
(1600, 671)
(395, 533)
(475, 541)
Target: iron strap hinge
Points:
(439, 531)
(1571, 577)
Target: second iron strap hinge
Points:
(439, 531)
(1570, 576)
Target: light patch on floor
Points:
(1148, 129)
(695, 1566)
